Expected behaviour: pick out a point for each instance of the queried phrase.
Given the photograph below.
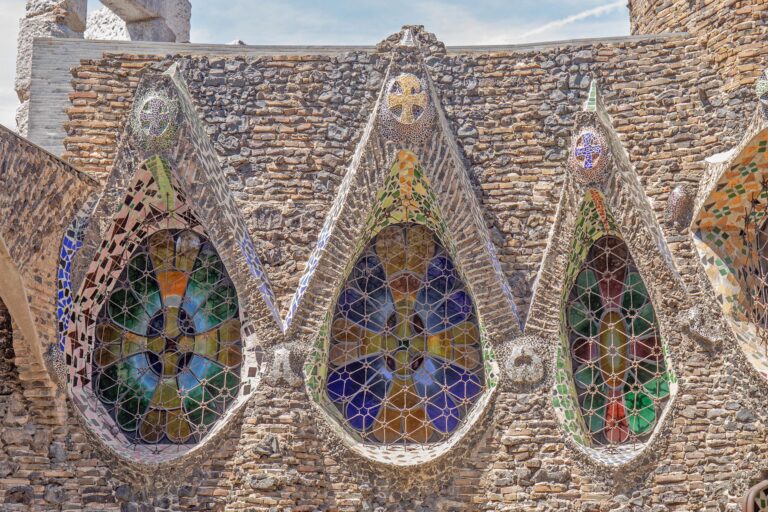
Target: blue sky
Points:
(353, 22)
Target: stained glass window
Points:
(167, 355)
(617, 359)
(405, 362)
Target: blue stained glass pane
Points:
(441, 275)
(368, 275)
(443, 413)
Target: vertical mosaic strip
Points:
(70, 245)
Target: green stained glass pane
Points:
(645, 321)
(130, 411)
(143, 283)
(216, 377)
(658, 387)
(207, 273)
(208, 269)
(588, 290)
(231, 383)
(646, 372)
(641, 412)
(220, 305)
(107, 385)
(586, 376)
(198, 406)
(127, 311)
(581, 321)
(593, 409)
(635, 293)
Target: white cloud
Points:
(569, 20)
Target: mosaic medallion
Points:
(154, 119)
(405, 362)
(589, 157)
(406, 111)
(407, 98)
(761, 89)
(167, 353)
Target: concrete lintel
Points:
(135, 10)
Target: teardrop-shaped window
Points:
(405, 362)
(167, 351)
(617, 360)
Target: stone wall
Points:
(732, 31)
(285, 129)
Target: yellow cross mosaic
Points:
(407, 95)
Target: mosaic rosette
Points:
(405, 362)
(406, 113)
(154, 119)
(589, 157)
(167, 352)
(617, 358)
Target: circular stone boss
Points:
(589, 156)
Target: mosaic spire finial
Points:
(407, 39)
(591, 104)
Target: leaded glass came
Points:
(618, 364)
(167, 355)
(405, 362)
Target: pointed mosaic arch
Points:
(164, 122)
(403, 359)
(154, 348)
(434, 180)
(604, 229)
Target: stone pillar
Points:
(43, 18)
(141, 20)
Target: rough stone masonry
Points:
(280, 155)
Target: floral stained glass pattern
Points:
(405, 362)
(618, 364)
(167, 355)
